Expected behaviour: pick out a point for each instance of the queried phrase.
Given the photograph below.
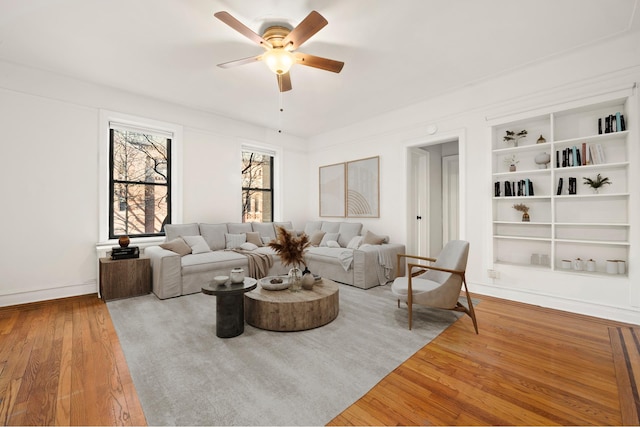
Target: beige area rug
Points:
(185, 375)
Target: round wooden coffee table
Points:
(292, 311)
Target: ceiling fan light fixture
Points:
(279, 60)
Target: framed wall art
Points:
(332, 190)
(363, 188)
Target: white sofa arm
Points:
(166, 272)
(376, 264)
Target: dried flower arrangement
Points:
(512, 160)
(521, 207)
(511, 136)
(290, 248)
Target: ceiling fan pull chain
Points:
(280, 111)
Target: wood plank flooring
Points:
(528, 366)
(61, 364)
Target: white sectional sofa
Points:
(345, 254)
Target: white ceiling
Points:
(396, 52)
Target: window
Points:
(139, 181)
(257, 186)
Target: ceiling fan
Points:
(280, 44)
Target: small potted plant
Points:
(521, 207)
(513, 137)
(596, 183)
(511, 162)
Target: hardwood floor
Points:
(61, 364)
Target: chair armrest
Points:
(431, 267)
(400, 256)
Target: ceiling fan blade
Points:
(310, 25)
(284, 82)
(242, 29)
(318, 62)
(240, 61)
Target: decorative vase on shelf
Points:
(124, 241)
(512, 168)
(525, 217)
(295, 279)
(541, 140)
(542, 160)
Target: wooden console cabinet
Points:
(124, 278)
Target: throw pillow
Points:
(316, 237)
(235, 240)
(266, 240)
(177, 245)
(354, 243)
(373, 239)
(327, 237)
(248, 246)
(333, 244)
(254, 237)
(197, 243)
(347, 231)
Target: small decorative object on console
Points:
(124, 241)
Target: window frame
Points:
(276, 185)
(113, 127)
(104, 160)
(270, 190)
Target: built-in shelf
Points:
(563, 226)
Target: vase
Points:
(123, 241)
(512, 168)
(525, 217)
(295, 279)
(542, 160)
(541, 140)
(308, 280)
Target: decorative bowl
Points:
(274, 283)
(220, 280)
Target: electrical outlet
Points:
(494, 274)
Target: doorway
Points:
(434, 196)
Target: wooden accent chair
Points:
(437, 284)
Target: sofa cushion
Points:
(254, 237)
(355, 242)
(177, 245)
(215, 260)
(373, 239)
(348, 230)
(214, 235)
(248, 246)
(235, 240)
(172, 231)
(330, 226)
(316, 237)
(239, 227)
(288, 225)
(329, 237)
(312, 226)
(265, 229)
(197, 243)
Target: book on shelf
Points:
(559, 192)
(584, 154)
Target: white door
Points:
(418, 202)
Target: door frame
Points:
(410, 146)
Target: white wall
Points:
(49, 176)
(576, 75)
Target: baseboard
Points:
(47, 294)
(619, 314)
